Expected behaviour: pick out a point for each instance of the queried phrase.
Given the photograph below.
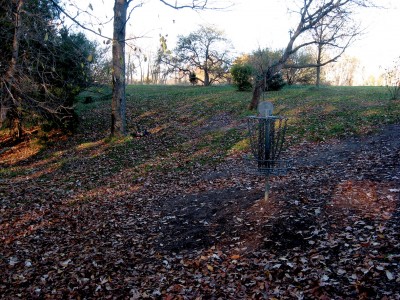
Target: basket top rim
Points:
(267, 117)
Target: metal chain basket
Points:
(267, 136)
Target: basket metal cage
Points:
(266, 167)
(267, 134)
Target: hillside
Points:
(170, 212)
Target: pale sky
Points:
(250, 24)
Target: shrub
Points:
(193, 78)
(392, 79)
(241, 75)
(275, 83)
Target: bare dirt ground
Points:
(330, 230)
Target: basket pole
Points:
(267, 134)
(267, 187)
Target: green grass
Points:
(11, 172)
(195, 127)
(314, 113)
(178, 116)
(327, 112)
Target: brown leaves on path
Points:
(104, 221)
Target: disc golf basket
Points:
(267, 135)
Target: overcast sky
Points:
(250, 24)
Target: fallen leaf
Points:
(389, 275)
(65, 263)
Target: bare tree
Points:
(121, 16)
(333, 33)
(162, 70)
(131, 67)
(118, 103)
(205, 50)
(311, 14)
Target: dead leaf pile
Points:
(93, 220)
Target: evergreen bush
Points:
(241, 75)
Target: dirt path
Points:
(319, 174)
(339, 206)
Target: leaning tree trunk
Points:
(261, 83)
(118, 105)
(257, 91)
(12, 99)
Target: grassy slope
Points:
(318, 114)
(314, 114)
(195, 126)
(199, 125)
(65, 199)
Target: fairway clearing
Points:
(172, 216)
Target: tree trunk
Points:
(318, 80)
(206, 78)
(128, 70)
(206, 73)
(118, 105)
(256, 95)
(319, 57)
(148, 73)
(13, 101)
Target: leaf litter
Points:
(93, 226)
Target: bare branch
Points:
(196, 5)
(73, 19)
(132, 9)
(318, 16)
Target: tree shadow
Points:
(198, 221)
